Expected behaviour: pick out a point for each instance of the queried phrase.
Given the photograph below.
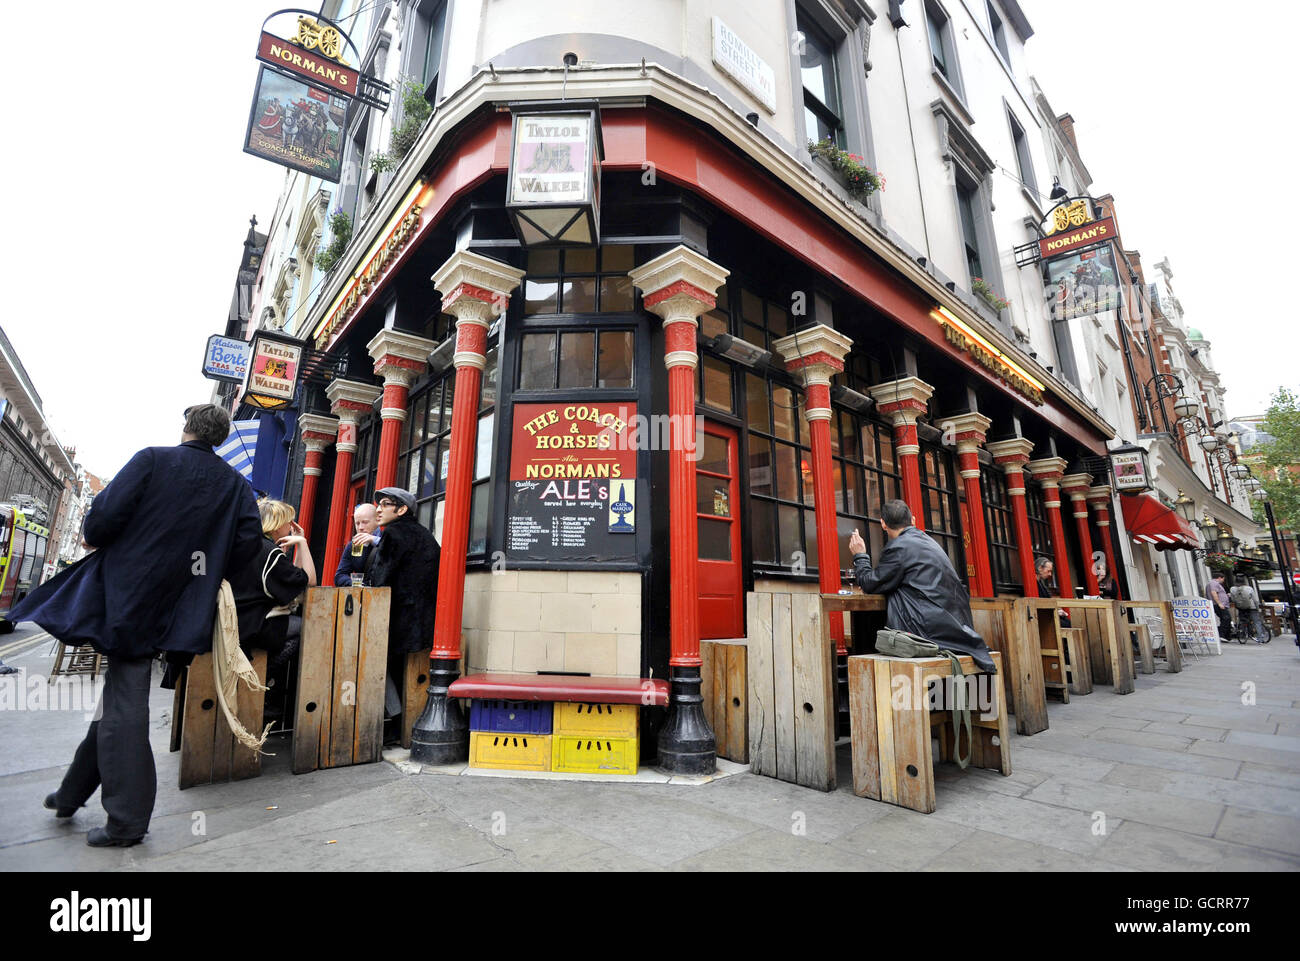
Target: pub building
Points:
(716, 375)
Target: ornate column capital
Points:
(318, 431)
(399, 357)
(1049, 471)
(817, 353)
(475, 289)
(350, 401)
(904, 400)
(1077, 486)
(971, 431)
(679, 286)
(1099, 498)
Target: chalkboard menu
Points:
(572, 483)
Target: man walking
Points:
(406, 560)
(926, 597)
(164, 532)
(356, 555)
(1216, 592)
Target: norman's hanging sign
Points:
(273, 370)
(553, 192)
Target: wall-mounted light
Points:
(1186, 408)
(553, 189)
(1058, 192)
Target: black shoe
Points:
(99, 838)
(52, 803)
(393, 732)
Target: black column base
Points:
(686, 742)
(441, 733)
(842, 695)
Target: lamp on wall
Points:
(553, 188)
(440, 357)
(1186, 507)
(1185, 407)
(1058, 192)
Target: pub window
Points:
(583, 280)
(999, 523)
(365, 462)
(585, 358)
(426, 454)
(1039, 531)
(822, 105)
(434, 16)
(939, 495)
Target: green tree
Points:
(1282, 458)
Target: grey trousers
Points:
(116, 753)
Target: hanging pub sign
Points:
(297, 57)
(1130, 469)
(1082, 284)
(572, 482)
(226, 359)
(553, 193)
(272, 370)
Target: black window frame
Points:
(1000, 531)
(1024, 158)
(832, 115)
(967, 198)
(944, 61)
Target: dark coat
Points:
(270, 581)
(165, 532)
(926, 597)
(407, 561)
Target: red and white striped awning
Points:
(1151, 522)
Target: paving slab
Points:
(1145, 847)
(1130, 804)
(1260, 829)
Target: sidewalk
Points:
(1179, 776)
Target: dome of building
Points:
(1194, 334)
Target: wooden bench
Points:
(1003, 631)
(342, 668)
(1143, 659)
(1093, 630)
(413, 690)
(1073, 644)
(725, 691)
(893, 727)
(210, 754)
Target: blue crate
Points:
(510, 717)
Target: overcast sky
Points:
(130, 195)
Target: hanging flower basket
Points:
(1220, 563)
(859, 179)
(990, 296)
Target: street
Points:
(1182, 775)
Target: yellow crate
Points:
(592, 755)
(510, 752)
(605, 720)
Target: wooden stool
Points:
(1053, 657)
(81, 660)
(210, 754)
(725, 690)
(342, 667)
(1079, 667)
(415, 684)
(893, 753)
(1143, 660)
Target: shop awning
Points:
(1152, 522)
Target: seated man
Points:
(926, 597)
(356, 555)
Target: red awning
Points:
(1150, 521)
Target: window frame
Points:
(998, 32)
(1024, 156)
(812, 31)
(944, 64)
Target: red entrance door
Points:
(722, 612)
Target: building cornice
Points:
(634, 85)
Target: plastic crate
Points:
(594, 755)
(510, 717)
(604, 720)
(510, 752)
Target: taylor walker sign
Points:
(273, 371)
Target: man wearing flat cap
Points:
(405, 560)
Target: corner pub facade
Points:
(581, 536)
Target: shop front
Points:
(617, 442)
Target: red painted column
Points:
(399, 358)
(971, 431)
(475, 289)
(904, 401)
(1049, 472)
(819, 355)
(679, 286)
(1076, 487)
(350, 401)
(1011, 456)
(1099, 501)
(318, 433)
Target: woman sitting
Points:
(268, 589)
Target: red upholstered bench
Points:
(551, 687)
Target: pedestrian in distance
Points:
(1250, 620)
(925, 595)
(1217, 593)
(173, 523)
(356, 554)
(406, 561)
(1045, 571)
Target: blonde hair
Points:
(275, 514)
